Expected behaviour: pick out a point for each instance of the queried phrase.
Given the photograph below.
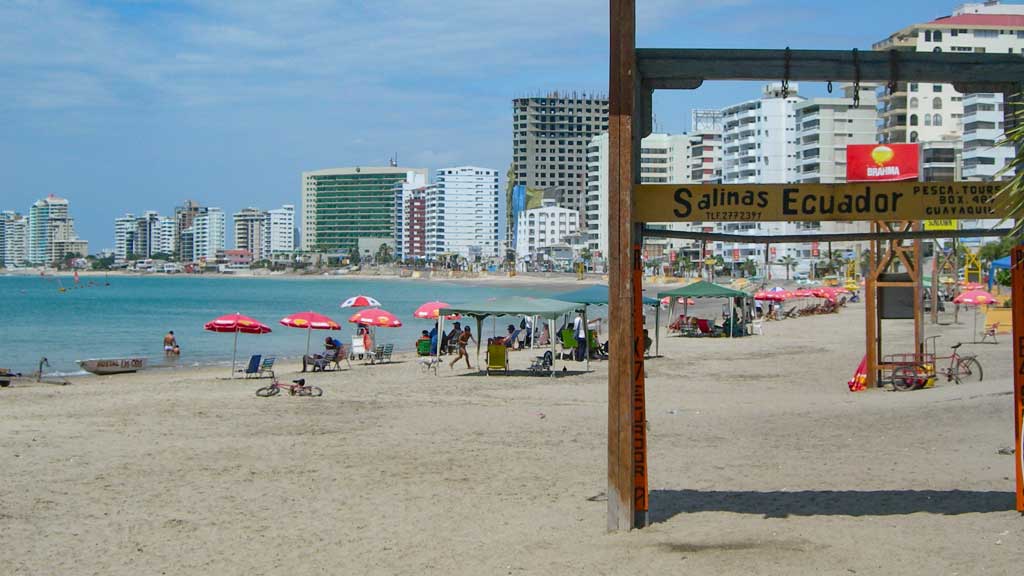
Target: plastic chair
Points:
(423, 348)
(497, 358)
(990, 332)
(568, 340)
(266, 367)
(252, 370)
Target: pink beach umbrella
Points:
(236, 323)
(431, 311)
(974, 298)
(375, 317)
(360, 301)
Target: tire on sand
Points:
(268, 391)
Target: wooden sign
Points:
(818, 202)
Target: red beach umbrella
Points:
(360, 302)
(375, 317)
(236, 323)
(431, 311)
(310, 321)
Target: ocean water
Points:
(131, 315)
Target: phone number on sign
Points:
(739, 215)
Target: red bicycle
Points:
(296, 388)
(961, 369)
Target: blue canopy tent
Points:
(1001, 264)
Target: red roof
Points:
(1005, 20)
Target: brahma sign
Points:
(881, 162)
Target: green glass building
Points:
(342, 205)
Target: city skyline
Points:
(142, 105)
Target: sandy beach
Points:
(761, 462)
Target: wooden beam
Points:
(627, 449)
(837, 237)
(665, 66)
(1017, 280)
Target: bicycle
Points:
(296, 388)
(961, 369)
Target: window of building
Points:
(927, 35)
(913, 86)
(927, 119)
(913, 119)
(937, 36)
(986, 33)
(937, 103)
(913, 103)
(936, 87)
(937, 120)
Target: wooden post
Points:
(627, 448)
(1017, 275)
(934, 293)
(871, 313)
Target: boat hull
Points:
(103, 366)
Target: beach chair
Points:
(266, 369)
(357, 348)
(429, 363)
(386, 353)
(542, 364)
(757, 326)
(990, 332)
(568, 341)
(594, 346)
(326, 362)
(423, 348)
(497, 358)
(704, 327)
(377, 355)
(253, 368)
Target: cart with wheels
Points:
(909, 371)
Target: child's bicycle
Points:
(296, 388)
(961, 369)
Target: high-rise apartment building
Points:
(663, 160)
(124, 236)
(207, 235)
(462, 213)
(250, 226)
(280, 238)
(340, 206)
(825, 126)
(184, 216)
(919, 112)
(413, 224)
(143, 236)
(550, 135)
(759, 138)
(13, 239)
(51, 232)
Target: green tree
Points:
(354, 258)
(789, 262)
(384, 254)
(749, 267)
(993, 251)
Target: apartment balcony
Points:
(992, 134)
(991, 116)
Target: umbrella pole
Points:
(731, 327)
(479, 335)
(551, 341)
(234, 351)
(657, 330)
(309, 333)
(586, 338)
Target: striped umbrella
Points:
(360, 302)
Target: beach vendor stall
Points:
(545, 308)
(704, 289)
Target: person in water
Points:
(171, 344)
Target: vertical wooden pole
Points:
(1017, 275)
(871, 313)
(917, 277)
(627, 449)
(934, 294)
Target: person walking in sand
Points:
(171, 344)
(464, 339)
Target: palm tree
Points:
(789, 262)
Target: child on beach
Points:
(464, 339)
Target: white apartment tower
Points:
(208, 235)
(280, 236)
(759, 138)
(918, 112)
(825, 126)
(545, 226)
(51, 232)
(250, 226)
(13, 239)
(663, 160)
(462, 213)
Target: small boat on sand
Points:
(103, 366)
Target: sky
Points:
(134, 105)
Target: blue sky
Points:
(140, 104)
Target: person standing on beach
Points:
(171, 344)
(464, 339)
